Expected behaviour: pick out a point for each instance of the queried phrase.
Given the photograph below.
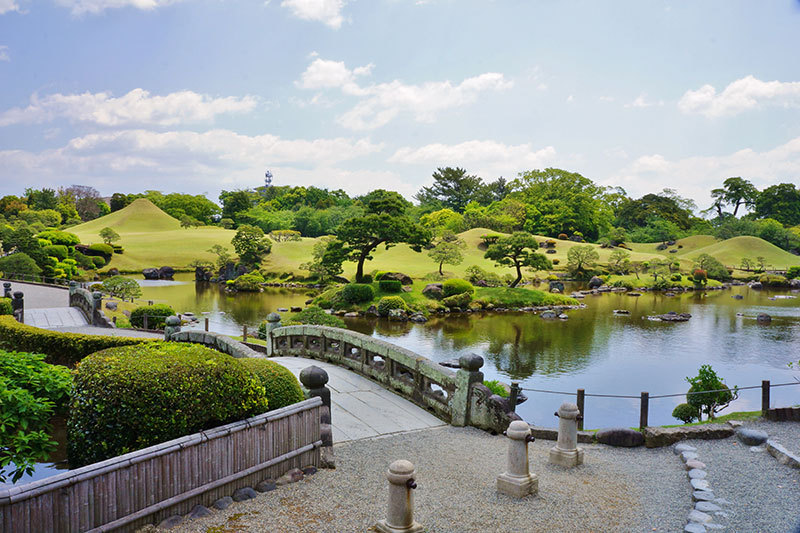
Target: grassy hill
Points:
(731, 251)
(141, 216)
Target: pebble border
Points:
(707, 506)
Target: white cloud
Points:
(381, 103)
(696, 176)
(641, 101)
(606, 99)
(4, 53)
(739, 96)
(329, 12)
(136, 107)
(6, 6)
(79, 7)
(488, 158)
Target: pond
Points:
(594, 349)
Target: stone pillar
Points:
(566, 451)
(273, 322)
(517, 481)
(400, 514)
(173, 325)
(97, 306)
(6, 289)
(314, 379)
(18, 306)
(73, 286)
(468, 374)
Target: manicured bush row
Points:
(390, 285)
(281, 386)
(156, 316)
(356, 293)
(61, 348)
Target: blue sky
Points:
(202, 95)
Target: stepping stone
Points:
(695, 473)
(694, 463)
(699, 517)
(694, 527)
(246, 493)
(222, 503)
(751, 437)
(688, 456)
(707, 507)
(170, 522)
(703, 496)
(700, 484)
(682, 447)
(266, 486)
(198, 511)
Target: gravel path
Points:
(615, 490)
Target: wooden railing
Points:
(143, 487)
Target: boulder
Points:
(755, 285)
(595, 282)
(794, 283)
(115, 272)
(170, 522)
(433, 291)
(372, 311)
(418, 318)
(111, 305)
(150, 273)
(625, 437)
(245, 493)
(737, 297)
(199, 511)
(266, 486)
(655, 437)
(557, 285)
(548, 314)
(399, 276)
(295, 309)
(222, 503)
(751, 437)
(292, 476)
(763, 318)
(166, 272)
(397, 314)
(201, 274)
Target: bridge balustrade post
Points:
(18, 306)
(172, 325)
(466, 376)
(6, 289)
(97, 307)
(314, 379)
(73, 286)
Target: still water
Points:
(594, 349)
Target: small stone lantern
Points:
(400, 515)
(172, 325)
(517, 481)
(566, 451)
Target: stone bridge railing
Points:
(459, 397)
(90, 303)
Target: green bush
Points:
(454, 286)
(476, 274)
(59, 237)
(388, 303)
(793, 272)
(84, 261)
(101, 249)
(129, 398)
(281, 387)
(378, 274)
(676, 277)
(496, 387)
(365, 279)
(355, 293)
(156, 316)
(390, 285)
(458, 300)
(5, 306)
(98, 261)
(118, 249)
(685, 413)
(324, 303)
(773, 280)
(250, 282)
(59, 251)
(19, 264)
(315, 315)
(61, 348)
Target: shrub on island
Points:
(316, 316)
(390, 285)
(458, 300)
(389, 303)
(250, 282)
(129, 398)
(355, 293)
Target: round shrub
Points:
(364, 279)
(59, 251)
(98, 262)
(356, 293)
(388, 303)
(316, 316)
(378, 274)
(129, 398)
(773, 280)
(60, 237)
(685, 413)
(793, 272)
(563, 236)
(390, 285)
(458, 300)
(156, 316)
(249, 282)
(280, 385)
(676, 277)
(455, 286)
(104, 250)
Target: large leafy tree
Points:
(452, 188)
(736, 192)
(562, 202)
(708, 393)
(327, 258)
(447, 250)
(781, 202)
(580, 259)
(518, 250)
(251, 245)
(384, 222)
(41, 199)
(638, 212)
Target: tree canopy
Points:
(518, 250)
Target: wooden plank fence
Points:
(127, 492)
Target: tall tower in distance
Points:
(268, 178)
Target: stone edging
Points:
(707, 506)
(783, 455)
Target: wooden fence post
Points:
(244, 334)
(645, 407)
(206, 323)
(580, 402)
(764, 397)
(144, 321)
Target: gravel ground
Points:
(616, 489)
(764, 494)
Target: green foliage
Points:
(447, 250)
(496, 387)
(518, 250)
(31, 391)
(282, 235)
(736, 192)
(84, 261)
(97, 261)
(476, 274)
(156, 316)
(714, 269)
(327, 258)
(130, 398)
(773, 280)
(355, 293)
(388, 303)
(109, 235)
(315, 315)
(709, 402)
(699, 277)
(104, 250)
(455, 286)
(793, 272)
(581, 260)
(61, 348)
(59, 251)
(685, 413)
(443, 219)
(452, 188)
(619, 262)
(250, 282)
(281, 386)
(64, 238)
(251, 245)
(18, 264)
(458, 300)
(5, 306)
(122, 287)
(637, 213)
(780, 202)
(390, 285)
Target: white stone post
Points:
(400, 516)
(566, 451)
(517, 481)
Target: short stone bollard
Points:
(6, 289)
(566, 451)
(400, 515)
(172, 325)
(517, 481)
(97, 307)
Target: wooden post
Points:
(764, 397)
(580, 402)
(644, 410)
(513, 395)
(144, 321)
(206, 323)
(244, 334)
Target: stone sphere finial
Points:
(97, 295)
(313, 377)
(568, 410)
(273, 317)
(173, 321)
(472, 362)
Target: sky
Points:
(199, 96)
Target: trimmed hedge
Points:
(388, 303)
(100, 249)
(458, 300)
(5, 306)
(356, 293)
(129, 398)
(390, 285)
(281, 386)
(156, 316)
(98, 261)
(59, 237)
(61, 348)
(454, 286)
(59, 251)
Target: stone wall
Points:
(217, 341)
